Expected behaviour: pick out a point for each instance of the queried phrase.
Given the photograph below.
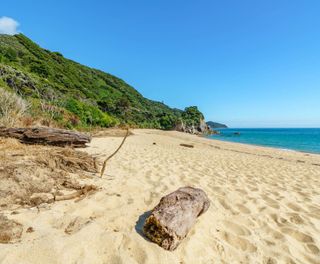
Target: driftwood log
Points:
(171, 220)
(186, 145)
(47, 136)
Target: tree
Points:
(167, 122)
(123, 104)
(192, 115)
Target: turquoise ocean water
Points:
(300, 139)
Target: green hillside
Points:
(73, 95)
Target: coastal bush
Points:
(39, 68)
(12, 108)
(90, 115)
(192, 116)
(10, 54)
(90, 97)
(167, 122)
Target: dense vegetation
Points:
(72, 95)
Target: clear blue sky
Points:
(246, 63)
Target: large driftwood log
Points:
(171, 220)
(47, 136)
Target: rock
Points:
(39, 198)
(30, 229)
(203, 127)
(180, 127)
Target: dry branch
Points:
(114, 153)
(87, 189)
(171, 220)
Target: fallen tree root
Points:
(114, 153)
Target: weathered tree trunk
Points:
(186, 145)
(47, 136)
(171, 220)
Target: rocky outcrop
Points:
(201, 128)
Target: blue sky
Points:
(245, 63)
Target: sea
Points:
(299, 139)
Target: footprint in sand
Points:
(275, 234)
(272, 203)
(76, 224)
(224, 204)
(269, 260)
(236, 229)
(115, 259)
(220, 249)
(269, 243)
(243, 209)
(295, 219)
(297, 235)
(314, 209)
(244, 192)
(313, 249)
(238, 242)
(295, 207)
(138, 253)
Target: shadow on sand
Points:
(140, 223)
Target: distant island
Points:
(214, 125)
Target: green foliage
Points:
(11, 54)
(192, 116)
(90, 115)
(89, 97)
(40, 69)
(168, 122)
(123, 104)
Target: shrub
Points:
(11, 54)
(12, 108)
(167, 122)
(90, 115)
(39, 68)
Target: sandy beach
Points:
(265, 206)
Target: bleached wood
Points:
(47, 136)
(171, 220)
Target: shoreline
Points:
(265, 146)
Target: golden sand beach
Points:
(265, 206)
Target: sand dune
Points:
(265, 206)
